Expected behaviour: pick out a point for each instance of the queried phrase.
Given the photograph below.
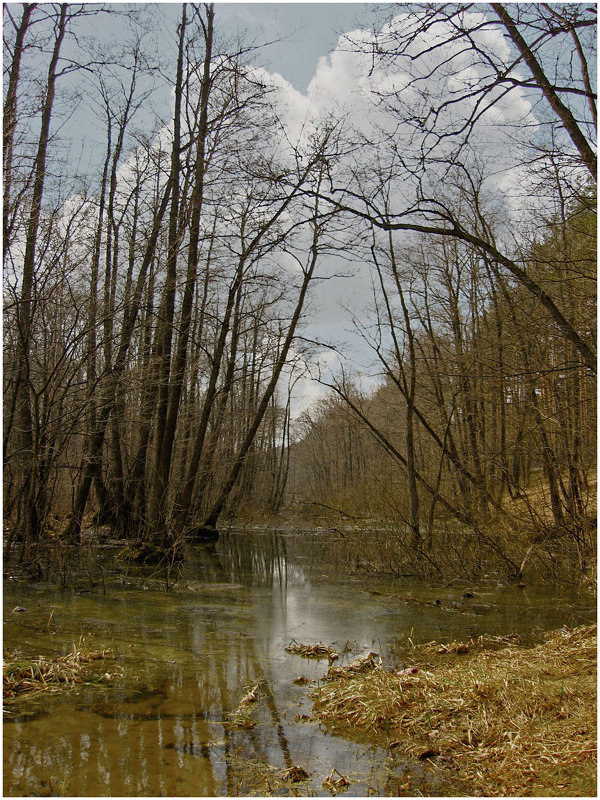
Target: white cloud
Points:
(349, 86)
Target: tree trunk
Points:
(30, 512)
(9, 122)
(164, 334)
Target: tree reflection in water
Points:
(188, 656)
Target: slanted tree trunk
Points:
(208, 528)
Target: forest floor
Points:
(492, 716)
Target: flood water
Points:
(187, 656)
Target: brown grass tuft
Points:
(48, 674)
(511, 721)
(312, 651)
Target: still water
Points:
(186, 657)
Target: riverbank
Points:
(521, 546)
(498, 718)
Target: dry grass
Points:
(255, 777)
(312, 650)
(49, 674)
(357, 667)
(430, 652)
(240, 719)
(510, 721)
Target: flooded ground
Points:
(186, 657)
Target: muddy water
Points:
(185, 658)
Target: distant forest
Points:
(157, 304)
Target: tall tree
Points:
(31, 510)
(433, 147)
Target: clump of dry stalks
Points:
(357, 667)
(239, 718)
(49, 674)
(312, 650)
(255, 777)
(508, 721)
(335, 784)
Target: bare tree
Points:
(31, 525)
(438, 140)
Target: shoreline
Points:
(513, 721)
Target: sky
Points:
(290, 37)
(292, 40)
(308, 32)
(317, 77)
(302, 36)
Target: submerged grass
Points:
(255, 777)
(509, 721)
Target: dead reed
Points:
(253, 776)
(239, 719)
(509, 721)
(312, 650)
(49, 674)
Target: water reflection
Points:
(188, 655)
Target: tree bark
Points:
(9, 122)
(164, 334)
(560, 109)
(31, 512)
